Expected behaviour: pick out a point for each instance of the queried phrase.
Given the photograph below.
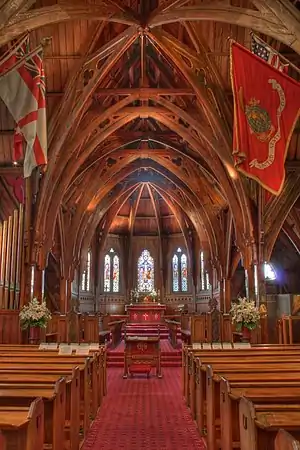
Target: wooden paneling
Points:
(10, 332)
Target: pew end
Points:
(35, 432)
(285, 441)
(2, 442)
(230, 435)
(248, 437)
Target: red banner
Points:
(266, 108)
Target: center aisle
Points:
(144, 414)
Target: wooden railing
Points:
(288, 328)
(216, 327)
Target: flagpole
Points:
(21, 61)
(260, 241)
(15, 46)
(276, 53)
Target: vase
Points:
(246, 334)
(34, 335)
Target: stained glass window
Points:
(32, 281)
(207, 283)
(179, 271)
(116, 274)
(111, 272)
(145, 273)
(107, 273)
(202, 273)
(88, 271)
(175, 273)
(86, 274)
(184, 281)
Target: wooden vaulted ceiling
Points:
(140, 106)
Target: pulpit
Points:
(146, 313)
(141, 354)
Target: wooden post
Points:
(12, 281)
(38, 282)
(2, 261)
(68, 300)
(63, 289)
(261, 288)
(19, 256)
(227, 294)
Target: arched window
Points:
(179, 271)
(270, 274)
(204, 275)
(86, 274)
(111, 272)
(145, 273)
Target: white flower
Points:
(35, 314)
(244, 313)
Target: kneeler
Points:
(140, 368)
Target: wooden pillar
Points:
(227, 294)
(62, 293)
(68, 301)
(38, 283)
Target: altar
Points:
(146, 313)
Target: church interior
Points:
(149, 224)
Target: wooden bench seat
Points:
(229, 403)
(72, 415)
(284, 441)
(61, 369)
(258, 429)
(189, 356)
(243, 363)
(23, 427)
(44, 358)
(54, 398)
(211, 392)
(212, 399)
(28, 373)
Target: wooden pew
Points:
(72, 418)
(98, 364)
(99, 353)
(284, 441)
(3, 442)
(196, 351)
(213, 393)
(173, 326)
(211, 402)
(22, 427)
(116, 331)
(258, 429)
(60, 369)
(36, 361)
(216, 356)
(190, 355)
(230, 395)
(54, 398)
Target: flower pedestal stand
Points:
(34, 335)
(246, 334)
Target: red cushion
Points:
(140, 368)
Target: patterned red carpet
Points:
(141, 414)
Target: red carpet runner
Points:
(141, 414)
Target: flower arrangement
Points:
(153, 294)
(35, 314)
(244, 314)
(134, 295)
